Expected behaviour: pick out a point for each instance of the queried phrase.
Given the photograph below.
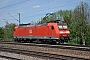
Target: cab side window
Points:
(52, 27)
(14, 29)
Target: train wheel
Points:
(31, 40)
(58, 42)
(15, 40)
(18, 40)
(53, 42)
(62, 41)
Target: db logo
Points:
(30, 31)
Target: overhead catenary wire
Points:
(28, 12)
(52, 8)
(13, 17)
(19, 7)
(14, 4)
(40, 3)
(49, 8)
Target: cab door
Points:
(51, 30)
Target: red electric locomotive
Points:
(53, 32)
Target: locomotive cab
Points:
(60, 31)
(64, 32)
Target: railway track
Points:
(64, 50)
(40, 54)
(9, 58)
(62, 46)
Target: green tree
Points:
(77, 20)
(8, 31)
(1, 33)
(81, 19)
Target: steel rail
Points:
(10, 58)
(40, 54)
(47, 44)
(61, 46)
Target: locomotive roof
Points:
(44, 24)
(30, 25)
(24, 24)
(55, 21)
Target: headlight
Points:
(61, 32)
(67, 31)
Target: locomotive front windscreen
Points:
(62, 27)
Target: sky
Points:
(32, 10)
